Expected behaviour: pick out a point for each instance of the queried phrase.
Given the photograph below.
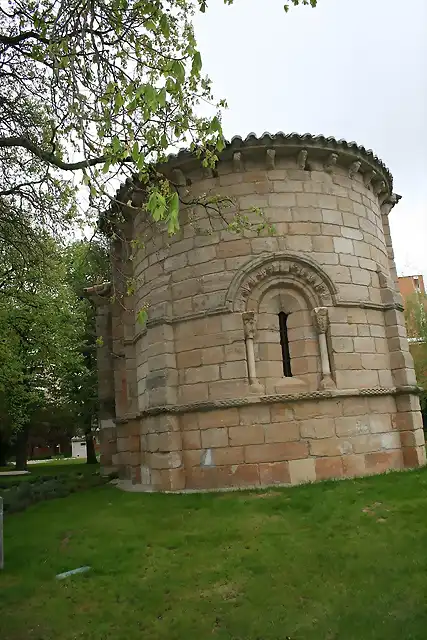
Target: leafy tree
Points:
(105, 87)
(39, 339)
(416, 324)
(87, 263)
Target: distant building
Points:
(408, 285)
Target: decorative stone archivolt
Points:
(321, 322)
(281, 268)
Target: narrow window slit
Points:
(284, 342)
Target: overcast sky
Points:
(353, 69)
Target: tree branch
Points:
(21, 37)
(50, 158)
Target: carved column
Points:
(249, 325)
(321, 322)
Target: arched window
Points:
(284, 343)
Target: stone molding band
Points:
(228, 403)
(153, 322)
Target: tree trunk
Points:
(4, 452)
(90, 447)
(22, 448)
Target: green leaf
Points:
(116, 144)
(157, 206)
(161, 97)
(142, 316)
(135, 152)
(178, 71)
(197, 63)
(164, 26)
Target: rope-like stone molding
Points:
(229, 403)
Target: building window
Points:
(417, 285)
(284, 342)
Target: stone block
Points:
(349, 232)
(317, 409)
(170, 460)
(329, 468)
(232, 322)
(232, 388)
(245, 475)
(218, 418)
(348, 260)
(357, 379)
(212, 355)
(248, 434)
(366, 443)
(380, 422)
(193, 392)
(233, 248)
(230, 370)
(276, 452)
(382, 404)
(408, 421)
(281, 412)
(187, 359)
(302, 471)
(401, 360)
(254, 414)
(228, 455)
(347, 361)
(281, 432)
(375, 361)
(271, 473)
(192, 457)
(338, 329)
(317, 428)
(191, 440)
(214, 438)
(383, 461)
(354, 465)
(164, 442)
(282, 200)
(342, 345)
(299, 243)
(330, 447)
(324, 258)
(308, 215)
(332, 216)
(390, 440)
(343, 245)
(403, 377)
(206, 373)
(339, 274)
(323, 244)
(203, 254)
(407, 402)
(414, 456)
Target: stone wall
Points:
(213, 337)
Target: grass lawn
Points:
(46, 469)
(334, 561)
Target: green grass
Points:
(334, 561)
(45, 469)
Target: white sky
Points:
(353, 69)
